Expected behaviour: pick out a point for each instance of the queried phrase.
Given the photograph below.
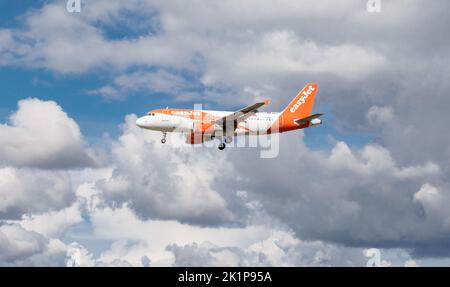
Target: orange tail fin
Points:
(301, 106)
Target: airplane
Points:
(205, 125)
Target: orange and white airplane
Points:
(205, 125)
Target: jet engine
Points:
(315, 121)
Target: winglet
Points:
(266, 102)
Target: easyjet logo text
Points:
(302, 99)
(185, 113)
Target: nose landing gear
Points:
(163, 140)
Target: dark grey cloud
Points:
(28, 191)
(20, 247)
(357, 198)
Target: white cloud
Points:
(380, 115)
(260, 239)
(60, 221)
(254, 50)
(150, 82)
(428, 194)
(277, 54)
(108, 93)
(164, 182)
(434, 202)
(40, 134)
(375, 159)
(411, 263)
(32, 191)
(159, 81)
(166, 243)
(17, 242)
(19, 247)
(79, 256)
(59, 41)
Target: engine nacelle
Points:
(315, 121)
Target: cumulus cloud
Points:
(174, 183)
(355, 198)
(380, 115)
(17, 242)
(40, 134)
(276, 54)
(433, 201)
(411, 263)
(19, 247)
(262, 48)
(195, 255)
(56, 40)
(361, 215)
(364, 197)
(61, 220)
(160, 81)
(159, 242)
(32, 191)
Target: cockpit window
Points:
(151, 114)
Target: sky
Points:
(80, 184)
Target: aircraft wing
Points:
(241, 115)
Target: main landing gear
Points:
(225, 141)
(163, 140)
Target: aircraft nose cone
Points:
(140, 122)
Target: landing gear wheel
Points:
(163, 141)
(222, 146)
(228, 140)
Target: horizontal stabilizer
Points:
(308, 119)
